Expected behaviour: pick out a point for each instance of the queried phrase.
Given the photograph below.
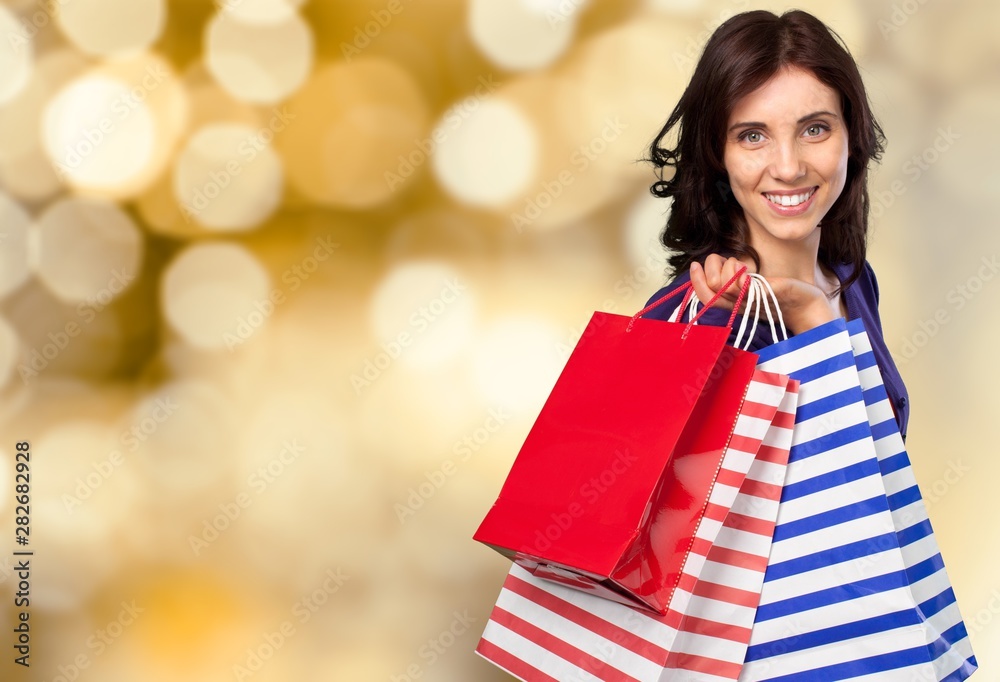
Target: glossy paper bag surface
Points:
(654, 563)
(580, 493)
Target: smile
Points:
(790, 199)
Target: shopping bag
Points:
(836, 602)
(614, 476)
(946, 637)
(543, 631)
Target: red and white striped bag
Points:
(543, 631)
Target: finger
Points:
(701, 287)
(726, 278)
(734, 265)
(725, 281)
(713, 271)
(732, 284)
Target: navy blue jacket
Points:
(861, 299)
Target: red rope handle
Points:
(689, 289)
(718, 295)
(684, 287)
(685, 301)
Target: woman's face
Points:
(786, 156)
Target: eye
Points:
(752, 136)
(816, 129)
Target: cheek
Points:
(743, 170)
(839, 174)
(838, 166)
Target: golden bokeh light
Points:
(86, 250)
(228, 178)
(487, 152)
(450, 405)
(183, 424)
(87, 151)
(596, 117)
(357, 133)
(427, 310)
(517, 361)
(111, 131)
(261, 11)
(209, 290)
(94, 26)
(521, 35)
(611, 110)
(261, 63)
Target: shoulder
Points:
(865, 286)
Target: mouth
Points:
(790, 203)
(786, 200)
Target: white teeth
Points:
(789, 200)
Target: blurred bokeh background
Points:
(283, 284)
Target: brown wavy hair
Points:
(742, 55)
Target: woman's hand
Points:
(803, 305)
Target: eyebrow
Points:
(758, 124)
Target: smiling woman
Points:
(774, 136)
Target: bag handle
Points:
(762, 281)
(689, 289)
(757, 298)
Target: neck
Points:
(796, 260)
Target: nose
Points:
(787, 164)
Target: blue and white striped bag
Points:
(854, 588)
(947, 639)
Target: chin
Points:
(791, 233)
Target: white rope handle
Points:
(777, 309)
(753, 301)
(760, 295)
(692, 309)
(752, 311)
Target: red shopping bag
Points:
(540, 631)
(593, 499)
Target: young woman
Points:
(774, 136)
